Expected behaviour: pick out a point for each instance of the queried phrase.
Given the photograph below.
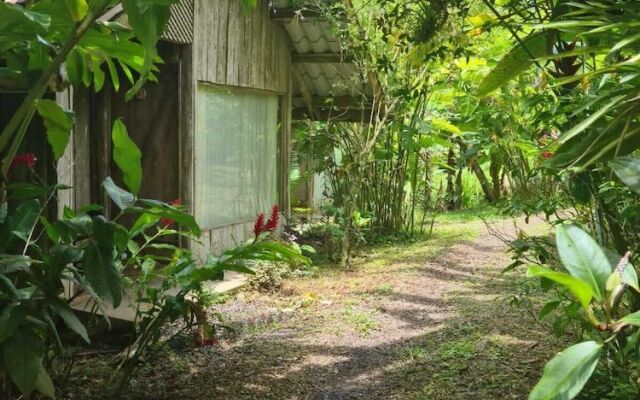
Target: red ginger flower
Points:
(166, 222)
(259, 227)
(546, 155)
(25, 159)
(272, 223)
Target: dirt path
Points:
(430, 320)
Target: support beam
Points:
(286, 15)
(336, 102)
(320, 58)
(350, 115)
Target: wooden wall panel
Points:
(234, 47)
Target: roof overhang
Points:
(326, 82)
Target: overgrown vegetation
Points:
(522, 107)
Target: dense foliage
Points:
(53, 265)
(528, 105)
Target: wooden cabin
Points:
(215, 129)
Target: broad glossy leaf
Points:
(583, 257)
(567, 373)
(127, 157)
(70, 319)
(578, 288)
(148, 19)
(44, 384)
(628, 170)
(25, 217)
(514, 63)
(121, 197)
(13, 262)
(631, 319)
(77, 9)
(101, 269)
(58, 123)
(23, 360)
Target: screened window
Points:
(235, 155)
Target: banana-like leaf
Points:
(513, 64)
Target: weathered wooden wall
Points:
(239, 48)
(236, 47)
(231, 47)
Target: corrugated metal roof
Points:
(179, 28)
(323, 79)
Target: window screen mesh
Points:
(235, 155)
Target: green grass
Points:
(362, 322)
(383, 290)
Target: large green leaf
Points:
(101, 269)
(70, 319)
(583, 257)
(22, 221)
(58, 123)
(514, 63)
(127, 157)
(631, 319)
(23, 360)
(581, 290)
(566, 374)
(628, 170)
(163, 210)
(44, 384)
(148, 19)
(77, 9)
(121, 197)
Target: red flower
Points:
(166, 222)
(272, 223)
(25, 159)
(546, 155)
(259, 227)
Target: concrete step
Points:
(127, 309)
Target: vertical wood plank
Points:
(261, 82)
(255, 59)
(212, 10)
(82, 146)
(199, 35)
(65, 166)
(234, 40)
(222, 43)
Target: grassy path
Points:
(427, 321)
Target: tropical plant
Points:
(598, 281)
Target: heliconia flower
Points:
(546, 155)
(272, 223)
(259, 226)
(166, 222)
(25, 159)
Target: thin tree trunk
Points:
(487, 188)
(451, 195)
